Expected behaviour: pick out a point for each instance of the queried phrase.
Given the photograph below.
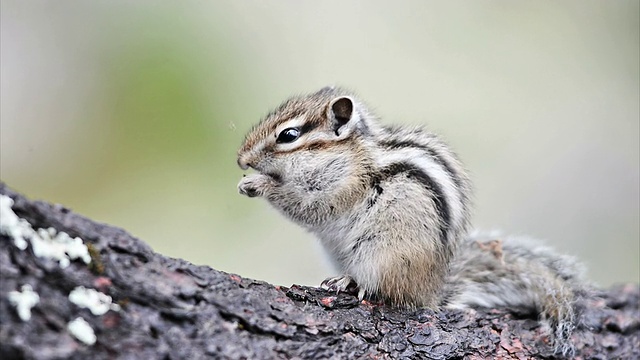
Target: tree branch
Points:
(169, 308)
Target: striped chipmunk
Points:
(391, 206)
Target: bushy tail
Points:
(514, 272)
(557, 306)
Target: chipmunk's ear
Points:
(340, 113)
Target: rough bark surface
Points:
(176, 310)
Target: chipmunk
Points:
(391, 206)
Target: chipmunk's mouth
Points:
(245, 163)
(275, 176)
(260, 169)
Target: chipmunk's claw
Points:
(342, 283)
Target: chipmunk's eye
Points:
(288, 135)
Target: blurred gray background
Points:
(130, 112)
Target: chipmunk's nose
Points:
(244, 162)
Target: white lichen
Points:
(59, 246)
(82, 331)
(97, 302)
(24, 301)
(12, 225)
(46, 243)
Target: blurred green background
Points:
(130, 112)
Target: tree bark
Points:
(172, 309)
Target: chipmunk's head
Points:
(312, 134)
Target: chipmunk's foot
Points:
(343, 283)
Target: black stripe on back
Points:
(414, 172)
(400, 144)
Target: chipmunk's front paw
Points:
(254, 185)
(343, 283)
